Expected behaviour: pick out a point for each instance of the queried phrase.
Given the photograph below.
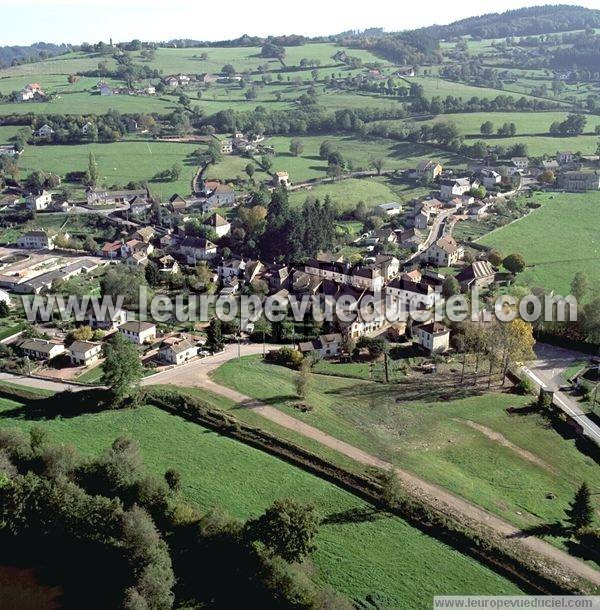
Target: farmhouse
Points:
(454, 188)
(38, 202)
(281, 179)
(218, 195)
(220, 226)
(111, 250)
(579, 181)
(428, 170)
(106, 320)
(433, 337)
(36, 240)
(31, 91)
(479, 273)
(389, 209)
(565, 158)
(104, 197)
(45, 131)
(138, 332)
(521, 163)
(444, 252)
(177, 351)
(84, 353)
(196, 249)
(327, 346)
(40, 349)
(9, 151)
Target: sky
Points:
(76, 21)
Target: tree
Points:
(250, 169)
(591, 320)
(122, 366)
(377, 163)
(287, 529)
(515, 263)
(173, 479)
(391, 489)
(495, 258)
(296, 147)
(214, 336)
(303, 379)
(580, 513)
(580, 285)
(326, 148)
(214, 154)
(4, 309)
(228, 70)
(450, 287)
(92, 171)
(82, 333)
(487, 128)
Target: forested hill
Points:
(26, 54)
(520, 22)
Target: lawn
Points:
(382, 558)
(429, 427)
(118, 162)
(557, 240)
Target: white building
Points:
(327, 346)
(84, 353)
(38, 202)
(177, 352)
(40, 349)
(444, 252)
(138, 332)
(454, 188)
(433, 337)
(389, 209)
(36, 240)
(45, 131)
(220, 225)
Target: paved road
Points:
(546, 371)
(196, 374)
(436, 231)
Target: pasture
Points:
(440, 432)
(379, 556)
(557, 240)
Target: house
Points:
(138, 332)
(134, 246)
(172, 81)
(111, 250)
(521, 163)
(565, 158)
(428, 170)
(478, 274)
(40, 349)
(444, 252)
(177, 350)
(107, 198)
(84, 353)
(579, 181)
(226, 146)
(45, 131)
(220, 226)
(421, 219)
(433, 337)
(167, 264)
(196, 249)
(230, 269)
(36, 240)
(490, 178)
(138, 206)
(281, 179)
(411, 239)
(454, 188)
(9, 151)
(388, 209)
(218, 195)
(388, 265)
(108, 319)
(549, 166)
(144, 234)
(386, 236)
(403, 293)
(477, 211)
(177, 203)
(137, 259)
(150, 90)
(327, 346)
(31, 91)
(38, 202)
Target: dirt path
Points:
(502, 440)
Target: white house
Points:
(45, 131)
(327, 346)
(389, 209)
(138, 332)
(40, 349)
(444, 252)
(433, 337)
(220, 225)
(490, 178)
(197, 249)
(521, 163)
(281, 179)
(454, 188)
(36, 240)
(106, 320)
(38, 202)
(177, 351)
(83, 353)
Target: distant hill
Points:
(520, 22)
(26, 54)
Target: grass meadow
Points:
(433, 430)
(380, 561)
(557, 240)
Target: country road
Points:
(197, 374)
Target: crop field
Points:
(118, 162)
(380, 557)
(557, 240)
(440, 435)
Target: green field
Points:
(118, 162)
(426, 426)
(381, 557)
(557, 240)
